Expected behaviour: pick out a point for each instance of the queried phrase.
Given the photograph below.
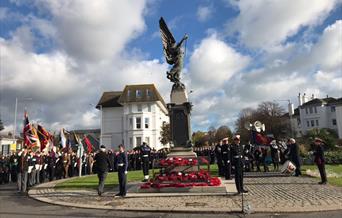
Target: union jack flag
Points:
(31, 138)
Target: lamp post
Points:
(15, 114)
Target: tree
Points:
(1, 125)
(223, 132)
(211, 135)
(329, 136)
(165, 134)
(199, 138)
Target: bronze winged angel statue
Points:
(173, 52)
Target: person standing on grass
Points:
(294, 155)
(102, 164)
(320, 160)
(122, 163)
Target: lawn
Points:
(112, 178)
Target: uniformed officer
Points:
(218, 154)
(102, 164)
(22, 171)
(13, 167)
(237, 154)
(226, 158)
(145, 157)
(122, 163)
(320, 160)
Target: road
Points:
(13, 204)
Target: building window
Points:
(307, 123)
(131, 142)
(147, 140)
(333, 109)
(138, 123)
(315, 110)
(148, 93)
(317, 123)
(130, 108)
(334, 122)
(128, 93)
(149, 107)
(312, 123)
(139, 106)
(306, 110)
(138, 93)
(138, 141)
(147, 123)
(310, 110)
(131, 123)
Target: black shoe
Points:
(99, 193)
(118, 195)
(245, 191)
(322, 183)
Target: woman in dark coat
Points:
(294, 155)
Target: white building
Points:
(132, 116)
(317, 113)
(8, 144)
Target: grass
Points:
(336, 170)
(91, 182)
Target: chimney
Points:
(300, 100)
(291, 109)
(327, 96)
(312, 96)
(304, 98)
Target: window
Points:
(138, 122)
(148, 93)
(131, 142)
(130, 108)
(307, 123)
(147, 123)
(131, 123)
(149, 107)
(317, 123)
(315, 110)
(310, 110)
(138, 141)
(138, 93)
(128, 93)
(139, 107)
(147, 140)
(306, 110)
(334, 122)
(333, 109)
(312, 123)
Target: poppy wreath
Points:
(178, 161)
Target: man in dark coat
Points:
(218, 154)
(102, 165)
(320, 160)
(122, 163)
(237, 155)
(226, 158)
(294, 155)
(22, 171)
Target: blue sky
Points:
(64, 54)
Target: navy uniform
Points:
(226, 158)
(218, 154)
(13, 167)
(145, 157)
(122, 163)
(237, 155)
(51, 165)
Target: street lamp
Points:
(15, 113)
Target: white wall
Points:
(111, 130)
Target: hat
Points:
(318, 140)
(102, 146)
(236, 137)
(225, 139)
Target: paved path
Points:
(271, 194)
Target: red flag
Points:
(44, 137)
(88, 143)
(30, 133)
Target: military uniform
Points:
(218, 154)
(101, 166)
(145, 156)
(237, 157)
(13, 167)
(226, 158)
(122, 163)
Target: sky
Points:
(58, 57)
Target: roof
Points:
(130, 94)
(296, 113)
(318, 101)
(109, 99)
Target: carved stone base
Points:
(182, 152)
(178, 95)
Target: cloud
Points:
(204, 13)
(265, 24)
(213, 62)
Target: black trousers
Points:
(227, 169)
(321, 168)
(102, 178)
(122, 180)
(239, 176)
(145, 166)
(220, 167)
